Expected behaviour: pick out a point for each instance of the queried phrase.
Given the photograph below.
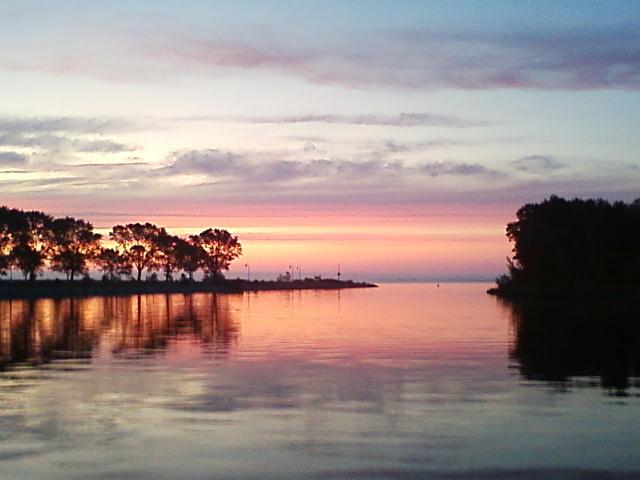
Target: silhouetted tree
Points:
(10, 221)
(28, 240)
(167, 259)
(189, 255)
(74, 245)
(573, 245)
(220, 249)
(32, 242)
(112, 264)
(137, 243)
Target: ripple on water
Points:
(404, 381)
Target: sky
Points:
(393, 138)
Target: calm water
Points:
(403, 381)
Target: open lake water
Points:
(404, 381)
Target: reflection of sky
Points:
(321, 107)
(410, 380)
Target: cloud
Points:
(536, 164)
(392, 146)
(436, 169)
(407, 119)
(413, 119)
(19, 139)
(55, 134)
(273, 177)
(259, 168)
(12, 159)
(309, 147)
(577, 59)
(80, 125)
(110, 166)
(88, 178)
(50, 142)
(205, 161)
(105, 146)
(478, 474)
(588, 58)
(569, 59)
(254, 167)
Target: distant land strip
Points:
(17, 289)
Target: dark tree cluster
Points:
(31, 241)
(573, 246)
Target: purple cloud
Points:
(55, 134)
(12, 159)
(436, 169)
(576, 59)
(536, 164)
(406, 119)
(255, 168)
(573, 60)
(414, 119)
(80, 125)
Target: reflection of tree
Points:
(556, 341)
(43, 330)
(37, 331)
(148, 323)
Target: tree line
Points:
(573, 246)
(32, 241)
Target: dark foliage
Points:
(73, 246)
(26, 240)
(31, 241)
(573, 246)
(220, 249)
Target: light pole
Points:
(248, 272)
(338, 271)
(299, 272)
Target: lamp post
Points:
(299, 272)
(338, 271)
(248, 272)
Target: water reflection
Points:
(404, 381)
(578, 343)
(38, 331)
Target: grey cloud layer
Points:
(536, 164)
(9, 159)
(378, 171)
(407, 119)
(247, 168)
(273, 177)
(54, 134)
(382, 178)
(82, 125)
(414, 119)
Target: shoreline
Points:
(19, 289)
